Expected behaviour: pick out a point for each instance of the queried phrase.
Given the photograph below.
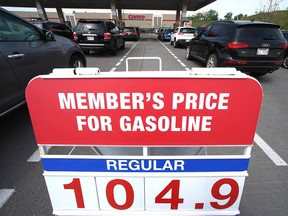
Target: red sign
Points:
(136, 17)
(144, 111)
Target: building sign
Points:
(136, 17)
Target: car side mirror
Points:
(49, 36)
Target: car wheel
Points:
(114, 49)
(175, 44)
(123, 45)
(76, 61)
(188, 53)
(285, 62)
(212, 61)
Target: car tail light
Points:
(237, 45)
(284, 46)
(278, 63)
(234, 62)
(107, 35)
(134, 33)
(181, 33)
(75, 36)
(124, 33)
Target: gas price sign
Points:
(132, 109)
(193, 184)
(136, 111)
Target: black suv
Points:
(94, 34)
(55, 27)
(254, 47)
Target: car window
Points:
(129, 30)
(97, 26)
(59, 27)
(169, 30)
(187, 30)
(12, 29)
(285, 34)
(258, 32)
(214, 31)
(205, 31)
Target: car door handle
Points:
(16, 56)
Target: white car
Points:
(181, 36)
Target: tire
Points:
(76, 61)
(123, 45)
(175, 44)
(212, 61)
(188, 53)
(113, 50)
(285, 62)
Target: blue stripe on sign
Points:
(145, 165)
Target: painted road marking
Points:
(5, 194)
(269, 151)
(177, 59)
(122, 59)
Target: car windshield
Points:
(168, 30)
(187, 30)
(90, 26)
(258, 32)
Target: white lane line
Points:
(269, 151)
(122, 59)
(180, 62)
(5, 194)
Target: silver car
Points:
(25, 52)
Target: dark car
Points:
(26, 52)
(249, 46)
(130, 33)
(55, 27)
(166, 34)
(285, 62)
(93, 34)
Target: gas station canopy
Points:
(192, 5)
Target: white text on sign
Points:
(140, 101)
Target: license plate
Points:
(262, 51)
(188, 40)
(90, 38)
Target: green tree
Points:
(211, 15)
(228, 16)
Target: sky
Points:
(237, 7)
(223, 7)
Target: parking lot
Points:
(265, 191)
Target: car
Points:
(253, 47)
(159, 32)
(285, 61)
(27, 51)
(181, 36)
(166, 34)
(130, 33)
(93, 34)
(56, 27)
